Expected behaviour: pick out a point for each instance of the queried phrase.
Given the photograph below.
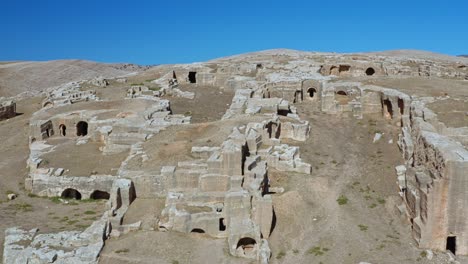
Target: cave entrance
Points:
(63, 130)
(298, 96)
(401, 105)
(334, 71)
(284, 112)
(192, 76)
(370, 71)
(197, 230)
(100, 195)
(342, 97)
(222, 226)
(388, 109)
(247, 245)
(81, 129)
(311, 91)
(451, 244)
(71, 194)
(344, 68)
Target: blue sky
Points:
(174, 31)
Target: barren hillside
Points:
(18, 77)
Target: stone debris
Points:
(69, 93)
(7, 108)
(99, 81)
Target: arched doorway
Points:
(387, 109)
(82, 129)
(311, 91)
(222, 226)
(342, 97)
(370, 71)
(192, 76)
(401, 105)
(98, 195)
(63, 130)
(247, 245)
(197, 230)
(334, 71)
(451, 244)
(298, 97)
(71, 194)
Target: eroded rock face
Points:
(23, 246)
(434, 185)
(7, 109)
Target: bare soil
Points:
(209, 104)
(73, 157)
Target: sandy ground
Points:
(209, 104)
(72, 157)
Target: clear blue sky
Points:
(174, 31)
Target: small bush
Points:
(155, 89)
(72, 222)
(342, 200)
(381, 200)
(55, 199)
(317, 251)
(280, 255)
(124, 250)
(363, 227)
(24, 207)
(89, 212)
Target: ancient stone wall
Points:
(7, 110)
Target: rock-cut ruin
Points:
(224, 190)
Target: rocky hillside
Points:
(19, 77)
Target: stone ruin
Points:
(69, 93)
(226, 192)
(7, 109)
(227, 195)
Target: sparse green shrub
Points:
(124, 250)
(25, 207)
(280, 255)
(342, 200)
(55, 199)
(363, 227)
(72, 222)
(317, 251)
(89, 212)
